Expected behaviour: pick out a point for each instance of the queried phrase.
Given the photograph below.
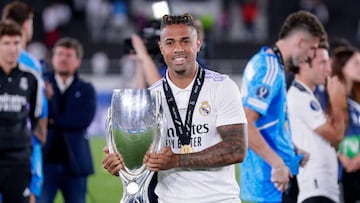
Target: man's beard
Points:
(293, 62)
(180, 72)
(64, 73)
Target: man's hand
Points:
(49, 90)
(336, 91)
(162, 160)
(113, 162)
(306, 156)
(32, 198)
(280, 177)
(350, 164)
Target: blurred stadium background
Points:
(234, 31)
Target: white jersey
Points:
(219, 103)
(319, 176)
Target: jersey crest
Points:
(24, 83)
(314, 106)
(262, 92)
(205, 108)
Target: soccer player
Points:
(23, 15)
(196, 166)
(20, 102)
(272, 159)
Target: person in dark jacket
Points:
(72, 106)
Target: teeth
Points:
(179, 59)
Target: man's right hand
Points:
(112, 162)
(280, 176)
(49, 90)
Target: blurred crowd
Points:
(60, 106)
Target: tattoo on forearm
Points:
(231, 150)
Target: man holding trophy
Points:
(206, 125)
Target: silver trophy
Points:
(135, 124)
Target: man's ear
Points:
(160, 47)
(299, 41)
(198, 44)
(25, 25)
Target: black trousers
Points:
(318, 199)
(291, 194)
(14, 183)
(351, 186)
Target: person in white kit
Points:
(315, 130)
(197, 165)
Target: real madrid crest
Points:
(205, 108)
(24, 83)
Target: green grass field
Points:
(103, 187)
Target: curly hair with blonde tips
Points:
(186, 19)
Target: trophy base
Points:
(136, 190)
(132, 188)
(133, 200)
(134, 195)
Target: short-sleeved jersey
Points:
(320, 175)
(218, 104)
(350, 145)
(20, 100)
(36, 161)
(264, 91)
(30, 62)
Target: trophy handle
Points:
(108, 131)
(159, 140)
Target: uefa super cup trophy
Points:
(135, 123)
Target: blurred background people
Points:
(72, 106)
(346, 66)
(23, 15)
(314, 131)
(272, 161)
(20, 96)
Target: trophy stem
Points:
(135, 188)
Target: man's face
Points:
(179, 45)
(351, 69)
(29, 29)
(305, 48)
(65, 61)
(320, 67)
(10, 47)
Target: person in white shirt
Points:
(216, 137)
(315, 131)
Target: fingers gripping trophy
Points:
(135, 124)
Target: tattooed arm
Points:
(230, 150)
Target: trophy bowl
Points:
(135, 124)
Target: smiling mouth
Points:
(179, 60)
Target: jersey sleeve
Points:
(228, 104)
(261, 83)
(36, 100)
